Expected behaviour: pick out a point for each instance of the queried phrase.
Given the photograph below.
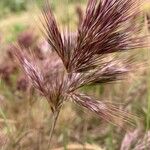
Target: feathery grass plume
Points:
(105, 29)
(106, 110)
(109, 71)
(53, 89)
(31, 69)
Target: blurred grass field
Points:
(25, 117)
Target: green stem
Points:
(54, 120)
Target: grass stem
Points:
(54, 120)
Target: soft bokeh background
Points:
(25, 117)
